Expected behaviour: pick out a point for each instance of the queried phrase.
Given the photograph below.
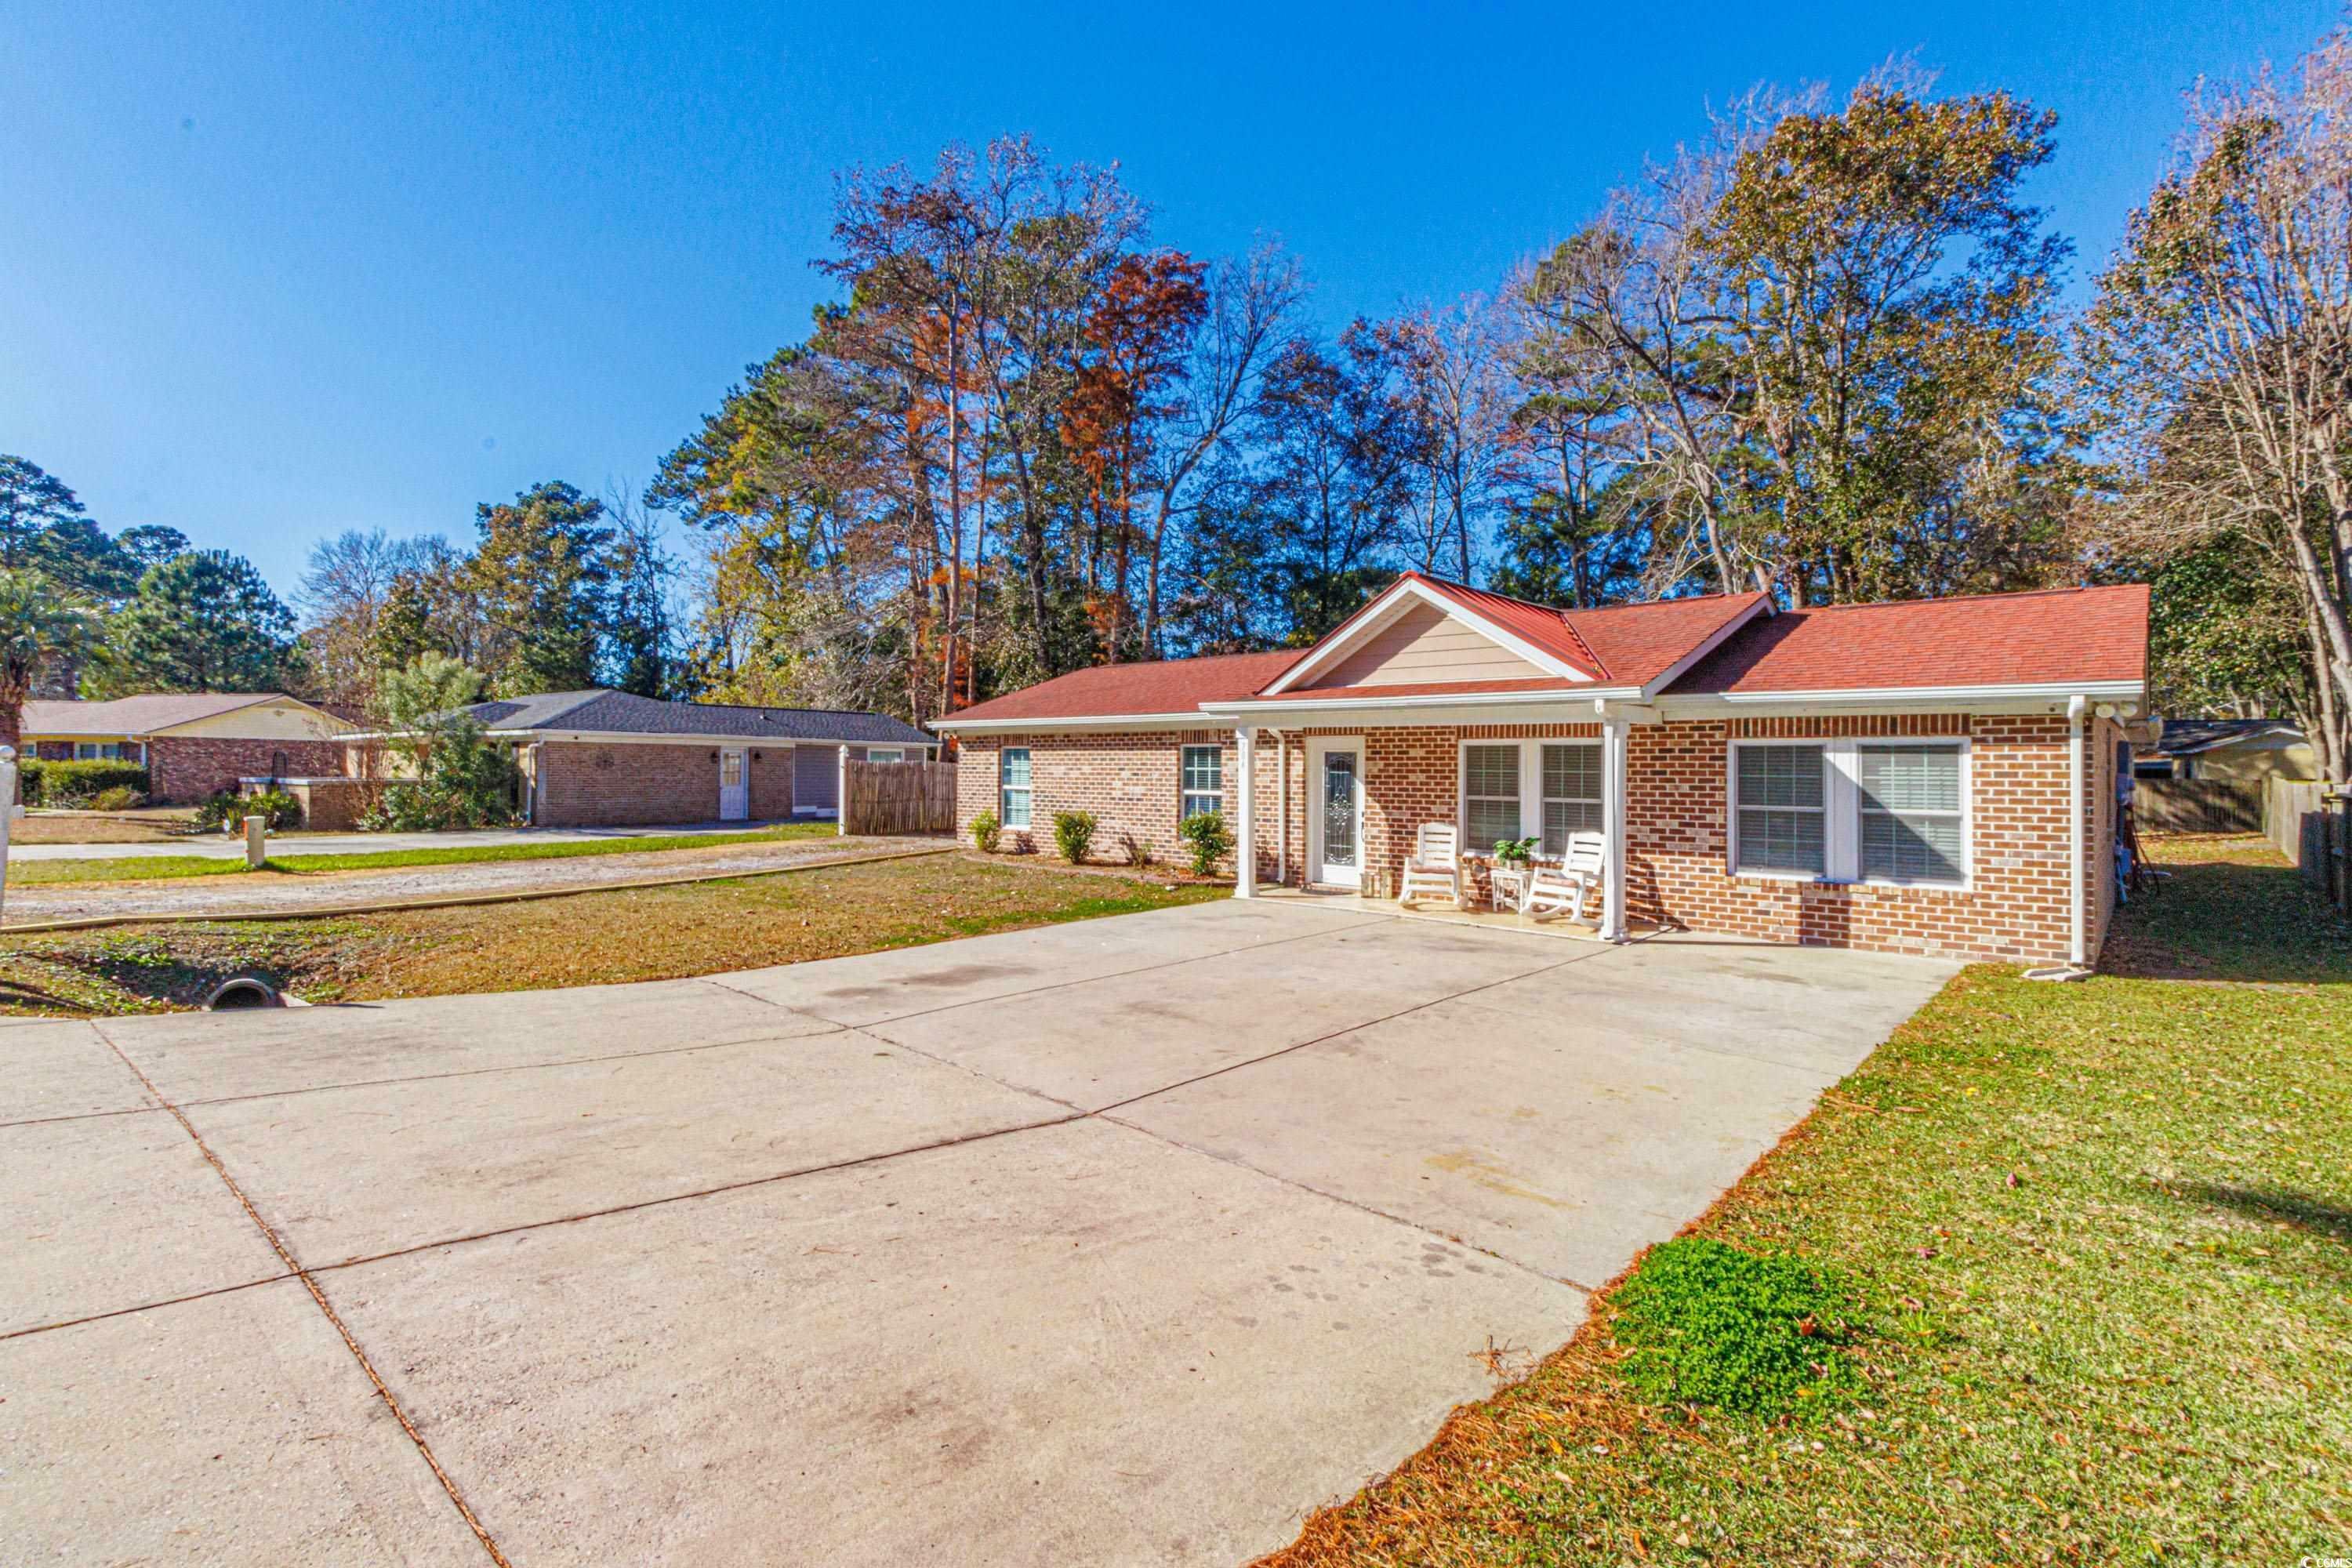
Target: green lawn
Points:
(2098, 1238)
(582, 939)
(139, 868)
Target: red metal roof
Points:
(2054, 637)
(1106, 691)
(1539, 625)
(1558, 683)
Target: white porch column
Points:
(1614, 731)
(841, 792)
(1244, 814)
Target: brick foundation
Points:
(2014, 909)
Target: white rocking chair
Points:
(1436, 868)
(1563, 888)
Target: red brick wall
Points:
(2014, 909)
(1676, 799)
(585, 784)
(770, 769)
(1129, 781)
(183, 769)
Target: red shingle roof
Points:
(1998, 639)
(1638, 642)
(2054, 638)
(1169, 686)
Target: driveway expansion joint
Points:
(319, 1296)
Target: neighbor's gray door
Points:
(816, 776)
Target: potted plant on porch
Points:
(1510, 873)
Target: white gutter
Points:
(2128, 690)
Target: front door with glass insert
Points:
(1336, 815)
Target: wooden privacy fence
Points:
(897, 797)
(2313, 829)
(2198, 805)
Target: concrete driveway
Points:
(1122, 1242)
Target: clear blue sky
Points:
(269, 272)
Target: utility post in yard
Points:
(9, 810)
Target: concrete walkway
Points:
(226, 846)
(1123, 1242)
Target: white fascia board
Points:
(1380, 615)
(1197, 720)
(1714, 639)
(1470, 707)
(2029, 698)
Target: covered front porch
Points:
(1334, 810)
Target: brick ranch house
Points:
(1935, 776)
(610, 759)
(195, 745)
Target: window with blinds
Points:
(1490, 796)
(1202, 784)
(1013, 781)
(1908, 797)
(1784, 808)
(1571, 794)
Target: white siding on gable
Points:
(266, 721)
(1421, 646)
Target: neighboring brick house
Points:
(1887, 776)
(610, 759)
(194, 743)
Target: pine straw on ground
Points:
(2103, 1233)
(587, 939)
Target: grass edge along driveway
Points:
(592, 937)
(2096, 1239)
(148, 868)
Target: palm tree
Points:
(39, 622)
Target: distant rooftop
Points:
(603, 712)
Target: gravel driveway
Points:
(229, 895)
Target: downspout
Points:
(2077, 964)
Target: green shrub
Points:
(62, 783)
(1074, 834)
(228, 810)
(986, 831)
(117, 797)
(1207, 840)
(1706, 1324)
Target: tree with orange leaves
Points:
(1134, 340)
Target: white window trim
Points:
(1003, 815)
(1842, 811)
(888, 754)
(1183, 793)
(1531, 783)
